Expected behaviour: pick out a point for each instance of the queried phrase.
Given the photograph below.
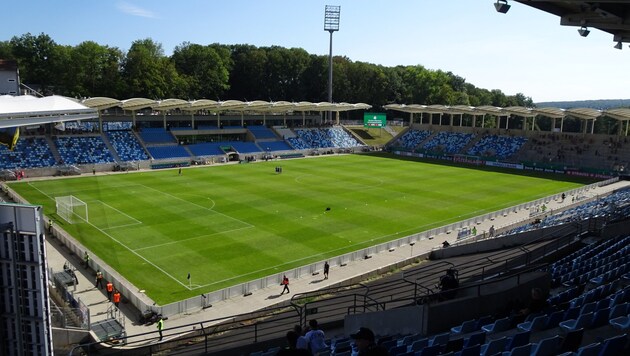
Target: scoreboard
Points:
(373, 119)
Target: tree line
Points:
(240, 72)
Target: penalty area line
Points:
(124, 246)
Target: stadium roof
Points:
(622, 114)
(258, 106)
(29, 110)
(612, 16)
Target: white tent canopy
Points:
(29, 110)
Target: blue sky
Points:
(524, 50)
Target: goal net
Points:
(71, 209)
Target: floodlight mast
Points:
(331, 24)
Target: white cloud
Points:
(134, 10)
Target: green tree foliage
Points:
(39, 59)
(6, 50)
(144, 70)
(204, 69)
(242, 72)
(95, 70)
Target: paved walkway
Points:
(97, 301)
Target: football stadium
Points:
(231, 227)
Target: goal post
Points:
(71, 209)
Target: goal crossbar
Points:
(71, 209)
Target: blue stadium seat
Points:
(493, 346)
(465, 327)
(614, 345)
(538, 323)
(518, 339)
(547, 347)
(621, 323)
(523, 350)
(583, 321)
(498, 326)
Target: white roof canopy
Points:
(28, 110)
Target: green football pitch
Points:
(230, 224)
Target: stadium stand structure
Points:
(611, 205)
(168, 151)
(448, 142)
(244, 147)
(261, 132)
(156, 136)
(206, 149)
(83, 150)
(127, 146)
(273, 146)
(412, 138)
(501, 147)
(30, 152)
(335, 137)
(315, 138)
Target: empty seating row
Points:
(156, 135)
(448, 142)
(127, 146)
(169, 151)
(412, 138)
(261, 132)
(29, 152)
(497, 146)
(83, 150)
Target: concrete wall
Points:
(406, 320)
(66, 337)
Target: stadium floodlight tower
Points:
(331, 24)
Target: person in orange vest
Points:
(116, 298)
(110, 290)
(285, 283)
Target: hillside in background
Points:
(594, 104)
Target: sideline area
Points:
(96, 299)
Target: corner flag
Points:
(9, 137)
(188, 275)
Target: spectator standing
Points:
(285, 283)
(315, 337)
(326, 269)
(86, 259)
(366, 345)
(99, 279)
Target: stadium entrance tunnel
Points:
(233, 156)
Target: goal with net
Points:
(71, 209)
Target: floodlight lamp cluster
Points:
(502, 6)
(331, 18)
